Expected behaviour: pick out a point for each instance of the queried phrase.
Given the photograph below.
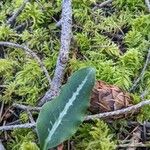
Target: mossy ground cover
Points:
(114, 39)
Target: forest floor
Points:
(113, 36)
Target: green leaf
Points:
(60, 118)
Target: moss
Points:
(21, 138)
(6, 66)
(113, 39)
(132, 60)
(24, 117)
(98, 48)
(29, 146)
(139, 31)
(94, 137)
(132, 5)
(5, 32)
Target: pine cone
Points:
(107, 98)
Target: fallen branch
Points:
(118, 112)
(142, 73)
(12, 19)
(147, 2)
(11, 127)
(66, 30)
(90, 117)
(2, 146)
(30, 52)
(100, 115)
(29, 108)
(134, 145)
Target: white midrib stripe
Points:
(64, 112)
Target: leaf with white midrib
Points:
(63, 113)
(73, 101)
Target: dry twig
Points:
(119, 112)
(90, 117)
(142, 73)
(17, 13)
(11, 127)
(102, 4)
(1, 146)
(20, 27)
(30, 116)
(1, 110)
(134, 145)
(66, 30)
(30, 52)
(23, 107)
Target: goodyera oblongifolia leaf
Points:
(59, 119)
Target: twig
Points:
(135, 139)
(23, 25)
(58, 24)
(1, 146)
(101, 115)
(1, 110)
(11, 127)
(133, 145)
(17, 13)
(144, 93)
(3, 86)
(90, 117)
(14, 122)
(142, 73)
(30, 117)
(30, 52)
(66, 30)
(26, 107)
(5, 133)
(42, 7)
(119, 112)
(102, 4)
(147, 2)
(5, 113)
(144, 127)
